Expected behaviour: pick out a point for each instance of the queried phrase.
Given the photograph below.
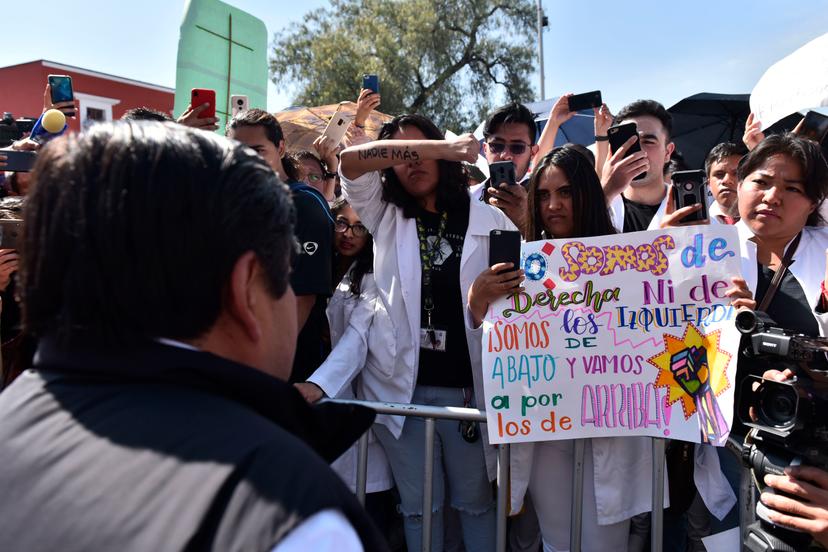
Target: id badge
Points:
(439, 339)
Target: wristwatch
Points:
(603, 138)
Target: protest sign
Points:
(619, 335)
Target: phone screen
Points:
(61, 86)
(504, 247)
(815, 126)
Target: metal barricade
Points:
(432, 413)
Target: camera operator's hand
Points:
(310, 391)
(740, 295)
(70, 109)
(191, 118)
(809, 510)
(3, 161)
(26, 144)
(9, 260)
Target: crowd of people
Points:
(181, 303)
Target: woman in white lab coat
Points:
(431, 241)
(566, 201)
(350, 313)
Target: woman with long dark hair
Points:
(566, 201)
(411, 192)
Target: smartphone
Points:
(500, 172)
(337, 126)
(689, 188)
(10, 232)
(815, 127)
(371, 82)
(619, 134)
(238, 103)
(200, 96)
(61, 90)
(587, 100)
(18, 161)
(504, 247)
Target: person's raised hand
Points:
(326, 149)
(70, 108)
(367, 102)
(806, 507)
(512, 199)
(619, 171)
(493, 283)
(462, 148)
(26, 144)
(9, 261)
(560, 113)
(673, 217)
(191, 118)
(310, 391)
(3, 163)
(753, 132)
(740, 295)
(603, 119)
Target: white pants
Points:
(551, 487)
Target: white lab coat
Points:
(349, 319)
(616, 210)
(391, 369)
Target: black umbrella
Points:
(704, 120)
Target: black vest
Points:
(163, 448)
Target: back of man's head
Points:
(145, 114)
(513, 113)
(258, 118)
(133, 229)
(651, 108)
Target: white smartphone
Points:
(238, 104)
(337, 126)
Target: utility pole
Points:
(543, 21)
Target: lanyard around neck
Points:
(427, 257)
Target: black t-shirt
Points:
(312, 275)
(452, 367)
(638, 216)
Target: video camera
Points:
(12, 129)
(788, 420)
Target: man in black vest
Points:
(155, 417)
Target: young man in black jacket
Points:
(156, 416)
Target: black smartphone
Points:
(10, 232)
(500, 172)
(587, 100)
(504, 247)
(815, 127)
(689, 188)
(18, 161)
(619, 134)
(61, 87)
(371, 82)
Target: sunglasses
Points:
(516, 148)
(357, 229)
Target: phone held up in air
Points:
(371, 82)
(337, 126)
(690, 188)
(60, 87)
(504, 247)
(18, 161)
(238, 104)
(10, 233)
(199, 96)
(500, 172)
(815, 127)
(587, 100)
(619, 134)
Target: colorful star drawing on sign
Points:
(690, 363)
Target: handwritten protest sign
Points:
(618, 335)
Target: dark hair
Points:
(292, 163)
(513, 113)
(583, 150)
(146, 114)
(675, 164)
(806, 153)
(721, 152)
(364, 262)
(640, 108)
(452, 183)
(259, 117)
(589, 207)
(133, 229)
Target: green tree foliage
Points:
(448, 59)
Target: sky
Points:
(664, 50)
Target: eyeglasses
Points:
(358, 230)
(515, 148)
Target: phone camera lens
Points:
(240, 101)
(688, 186)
